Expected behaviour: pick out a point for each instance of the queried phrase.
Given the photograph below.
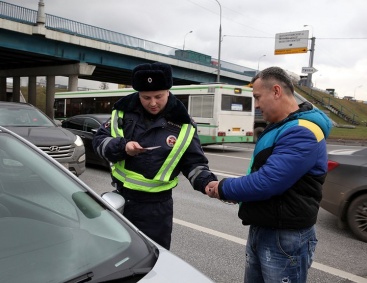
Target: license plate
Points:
(236, 129)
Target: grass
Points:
(342, 130)
(357, 133)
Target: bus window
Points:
(202, 106)
(236, 103)
(59, 107)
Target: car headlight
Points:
(78, 141)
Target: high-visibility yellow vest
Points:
(161, 181)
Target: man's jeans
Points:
(279, 255)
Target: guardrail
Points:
(28, 16)
(332, 105)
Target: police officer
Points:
(150, 139)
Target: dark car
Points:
(54, 228)
(345, 189)
(85, 126)
(31, 123)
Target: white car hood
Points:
(170, 268)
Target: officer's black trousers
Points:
(154, 219)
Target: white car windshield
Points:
(53, 229)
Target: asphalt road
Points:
(208, 234)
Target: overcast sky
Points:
(248, 29)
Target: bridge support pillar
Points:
(73, 83)
(32, 90)
(50, 96)
(2, 88)
(16, 89)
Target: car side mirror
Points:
(58, 122)
(114, 199)
(94, 131)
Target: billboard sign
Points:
(291, 42)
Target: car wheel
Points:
(357, 217)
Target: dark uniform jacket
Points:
(153, 130)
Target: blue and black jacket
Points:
(283, 187)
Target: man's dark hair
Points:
(277, 74)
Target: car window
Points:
(89, 124)
(53, 226)
(75, 123)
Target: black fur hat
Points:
(151, 77)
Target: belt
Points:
(141, 196)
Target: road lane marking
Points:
(226, 174)
(228, 156)
(339, 273)
(319, 266)
(210, 231)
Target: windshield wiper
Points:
(82, 278)
(127, 273)
(138, 272)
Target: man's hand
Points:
(211, 189)
(133, 148)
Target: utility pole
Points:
(312, 50)
(220, 40)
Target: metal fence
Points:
(28, 16)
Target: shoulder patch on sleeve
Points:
(315, 129)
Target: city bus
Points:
(223, 113)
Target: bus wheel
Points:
(257, 133)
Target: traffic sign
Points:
(308, 70)
(291, 42)
(290, 51)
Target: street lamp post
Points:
(312, 50)
(220, 39)
(356, 90)
(258, 63)
(183, 47)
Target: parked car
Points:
(31, 123)
(85, 126)
(54, 228)
(345, 189)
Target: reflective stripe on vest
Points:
(160, 182)
(115, 130)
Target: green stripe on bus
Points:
(225, 139)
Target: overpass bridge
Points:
(33, 43)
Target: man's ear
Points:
(277, 91)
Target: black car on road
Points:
(85, 126)
(345, 189)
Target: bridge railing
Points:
(17, 13)
(28, 16)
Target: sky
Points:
(248, 29)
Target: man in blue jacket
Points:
(280, 195)
(150, 139)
